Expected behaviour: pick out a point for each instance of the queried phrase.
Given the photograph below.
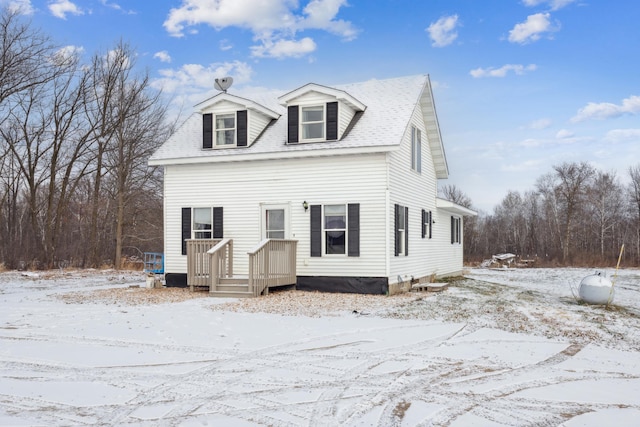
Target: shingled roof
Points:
(389, 103)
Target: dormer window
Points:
(225, 129)
(312, 123)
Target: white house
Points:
(348, 172)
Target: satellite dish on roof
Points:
(223, 83)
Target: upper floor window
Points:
(416, 149)
(312, 122)
(225, 129)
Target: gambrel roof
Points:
(384, 110)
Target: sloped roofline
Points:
(434, 137)
(248, 104)
(340, 95)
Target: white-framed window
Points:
(202, 227)
(335, 229)
(225, 129)
(402, 229)
(416, 149)
(312, 123)
(456, 232)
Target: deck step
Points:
(231, 294)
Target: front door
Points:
(275, 221)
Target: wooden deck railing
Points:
(272, 263)
(198, 268)
(220, 263)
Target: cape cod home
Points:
(328, 188)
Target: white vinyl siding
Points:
(353, 179)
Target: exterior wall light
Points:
(305, 205)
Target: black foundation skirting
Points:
(175, 280)
(351, 285)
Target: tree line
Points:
(75, 188)
(575, 215)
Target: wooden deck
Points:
(210, 267)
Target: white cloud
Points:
(60, 8)
(225, 44)
(540, 124)
(607, 110)
(21, 6)
(67, 54)
(442, 32)
(273, 22)
(163, 56)
(196, 78)
(622, 135)
(553, 4)
(117, 7)
(283, 48)
(564, 134)
(532, 29)
(502, 71)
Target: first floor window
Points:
(202, 223)
(401, 217)
(225, 129)
(427, 224)
(312, 122)
(455, 229)
(335, 229)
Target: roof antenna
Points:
(223, 83)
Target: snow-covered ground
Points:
(499, 348)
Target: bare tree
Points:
(634, 201)
(605, 202)
(564, 191)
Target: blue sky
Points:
(520, 85)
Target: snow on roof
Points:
(389, 107)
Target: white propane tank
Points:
(596, 289)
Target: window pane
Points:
(225, 121)
(275, 219)
(313, 130)
(225, 137)
(334, 217)
(335, 242)
(275, 234)
(202, 218)
(401, 220)
(202, 235)
(313, 114)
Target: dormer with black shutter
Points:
(230, 121)
(318, 113)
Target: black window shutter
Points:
(293, 125)
(396, 219)
(186, 228)
(242, 136)
(353, 228)
(430, 218)
(332, 121)
(406, 231)
(424, 223)
(316, 230)
(207, 130)
(218, 230)
(453, 232)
